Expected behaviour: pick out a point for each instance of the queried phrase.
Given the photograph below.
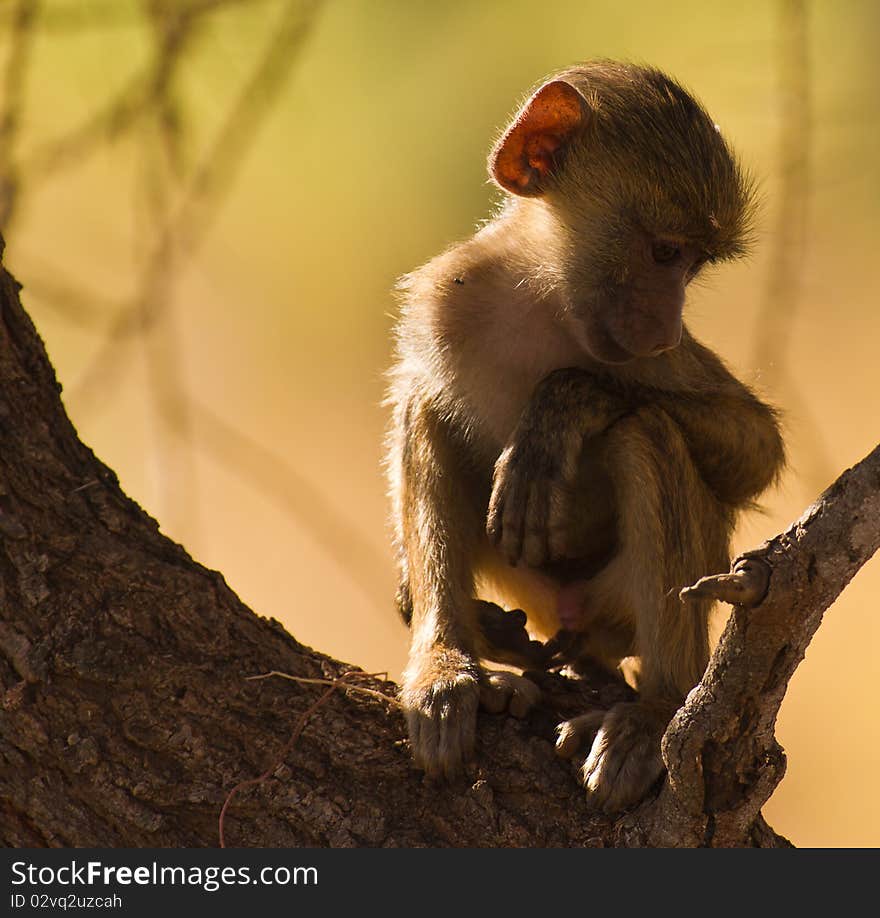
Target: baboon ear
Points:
(534, 144)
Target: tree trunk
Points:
(128, 716)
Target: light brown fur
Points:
(552, 446)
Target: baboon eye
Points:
(664, 253)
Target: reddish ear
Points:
(531, 147)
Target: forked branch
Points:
(720, 749)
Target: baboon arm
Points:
(536, 472)
(734, 437)
(734, 440)
(438, 526)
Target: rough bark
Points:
(723, 758)
(127, 715)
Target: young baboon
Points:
(560, 443)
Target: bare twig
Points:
(70, 299)
(357, 558)
(104, 125)
(782, 294)
(20, 40)
(348, 687)
(344, 682)
(172, 232)
(208, 187)
(745, 585)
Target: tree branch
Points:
(723, 758)
(128, 715)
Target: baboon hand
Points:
(531, 495)
(440, 695)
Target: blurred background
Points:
(208, 203)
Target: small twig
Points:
(382, 696)
(15, 74)
(782, 300)
(356, 556)
(205, 191)
(745, 585)
(71, 300)
(334, 684)
(88, 484)
(112, 120)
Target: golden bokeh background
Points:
(208, 203)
